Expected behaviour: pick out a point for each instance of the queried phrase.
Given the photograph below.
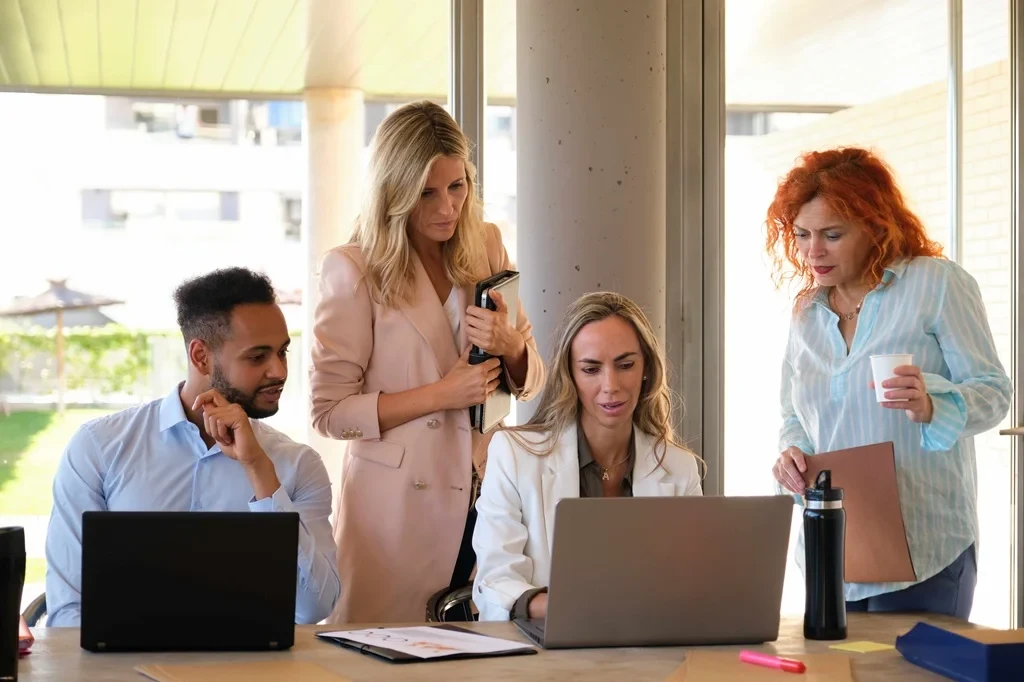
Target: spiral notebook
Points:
(425, 643)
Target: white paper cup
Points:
(883, 367)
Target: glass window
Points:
(229, 206)
(194, 205)
(499, 186)
(500, 160)
(889, 94)
(987, 211)
(150, 165)
(291, 215)
(138, 205)
(277, 122)
(96, 210)
(500, 173)
(155, 117)
(847, 76)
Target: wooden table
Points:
(56, 655)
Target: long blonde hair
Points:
(405, 146)
(559, 407)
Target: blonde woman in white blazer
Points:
(602, 429)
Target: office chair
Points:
(451, 605)
(35, 611)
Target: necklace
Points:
(605, 472)
(845, 316)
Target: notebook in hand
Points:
(425, 643)
(489, 414)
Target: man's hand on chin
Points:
(228, 424)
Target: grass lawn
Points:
(31, 444)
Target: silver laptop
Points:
(649, 571)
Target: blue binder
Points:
(968, 656)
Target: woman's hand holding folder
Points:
(491, 331)
(467, 385)
(789, 469)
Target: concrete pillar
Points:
(591, 156)
(334, 133)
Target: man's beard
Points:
(247, 401)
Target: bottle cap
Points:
(822, 491)
(12, 541)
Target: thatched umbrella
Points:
(59, 300)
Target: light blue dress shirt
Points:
(151, 458)
(932, 308)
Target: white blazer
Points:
(516, 509)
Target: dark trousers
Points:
(467, 557)
(949, 592)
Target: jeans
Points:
(949, 592)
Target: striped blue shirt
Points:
(932, 308)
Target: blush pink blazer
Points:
(405, 492)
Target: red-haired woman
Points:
(874, 284)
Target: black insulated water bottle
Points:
(824, 542)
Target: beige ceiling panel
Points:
(43, 23)
(117, 42)
(191, 24)
(79, 21)
(389, 30)
(152, 37)
(267, 23)
(282, 69)
(15, 48)
(419, 65)
(230, 22)
(337, 42)
(405, 50)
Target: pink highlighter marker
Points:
(768, 661)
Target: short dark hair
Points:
(205, 303)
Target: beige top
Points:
(454, 312)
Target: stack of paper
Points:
(425, 643)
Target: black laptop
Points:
(189, 581)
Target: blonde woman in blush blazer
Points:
(390, 372)
(602, 429)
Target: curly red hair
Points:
(859, 188)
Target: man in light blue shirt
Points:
(201, 447)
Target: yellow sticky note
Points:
(862, 647)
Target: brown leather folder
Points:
(876, 539)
